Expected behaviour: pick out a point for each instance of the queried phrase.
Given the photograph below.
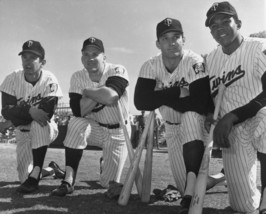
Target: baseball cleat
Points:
(58, 172)
(29, 186)
(64, 189)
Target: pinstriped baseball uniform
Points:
(190, 124)
(241, 72)
(83, 131)
(33, 135)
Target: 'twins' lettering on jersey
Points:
(227, 78)
(240, 72)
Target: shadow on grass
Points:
(85, 199)
(93, 184)
(3, 183)
(227, 210)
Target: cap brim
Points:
(170, 30)
(208, 20)
(31, 51)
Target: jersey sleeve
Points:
(261, 59)
(8, 84)
(249, 110)
(120, 71)
(52, 87)
(199, 91)
(147, 70)
(75, 85)
(196, 68)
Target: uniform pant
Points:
(83, 131)
(35, 137)
(240, 162)
(191, 128)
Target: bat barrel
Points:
(196, 204)
(126, 190)
(138, 178)
(147, 173)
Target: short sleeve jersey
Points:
(109, 114)
(240, 72)
(190, 68)
(16, 85)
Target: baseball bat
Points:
(127, 187)
(147, 172)
(138, 179)
(196, 204)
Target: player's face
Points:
(31, 63)
(171, 44)
(93, 59)
(224, 30)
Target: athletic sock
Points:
(35, 172)
(73, 157)
(38, 160)
(190, 183)
(262, 159)
(69, 177)
(192, 153)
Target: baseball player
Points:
(29, 98)
(94, 93)
(175, 82)
(240, 64)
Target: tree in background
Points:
(261, 34)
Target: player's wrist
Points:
(232, 117)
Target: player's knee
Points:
(193, 153)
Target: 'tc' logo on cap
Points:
(92, 40)
(214, 6)
(168, 22)
(30, 43)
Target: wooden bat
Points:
(196, 204)
(147, 172)
(126, 190)
(138, 178)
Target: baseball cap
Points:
(34, 47)
(92, 41)
(217, 8)
(168, 25)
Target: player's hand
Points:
(222, 130)
(183, 92)
(39, 116)
(86, 106)
(208, 122)
(85, 93)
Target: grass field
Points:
(89, 196)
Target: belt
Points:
(172, 123)
(111, 126)
(24, 130)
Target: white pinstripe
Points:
(82, 132)
(15, 85)
(191, 127)
(241, 72)
(81, 80)
(86, 131)
(25, 142)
